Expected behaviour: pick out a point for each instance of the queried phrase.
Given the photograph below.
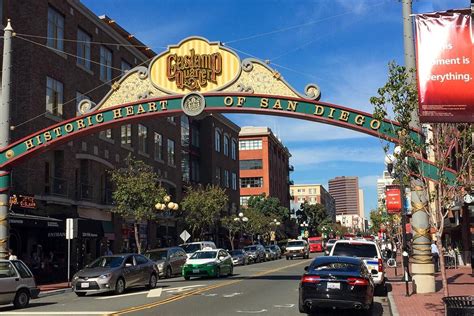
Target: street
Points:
(269, 288)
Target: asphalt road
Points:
(269, 288)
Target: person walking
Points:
(435, 255)
(11, 255)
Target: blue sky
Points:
(341, 45)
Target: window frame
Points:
(106, 62)
(55, 29)
(57, 105)
(84, 40)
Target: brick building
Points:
(345, 191)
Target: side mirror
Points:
(306, 268)
(373, 271)
(128, 265)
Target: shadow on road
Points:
(377, 311)
(10, 308)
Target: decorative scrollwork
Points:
(247, 65)
(86, 106)
(142, 72)
(312, 91)
(145, 95)
(243, 88)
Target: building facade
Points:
(382, 182)
(345, 191)
(313, 194)
(264, 165)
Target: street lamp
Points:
(275, 223)
(166, 207)
(304, 228)
(243, 220)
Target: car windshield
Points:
(251, 248)
(190, 248)
(204, 255)
(157, 255)
(339, 266)
(107, 262)
(236, 252)
(355, 250)
(295, 244)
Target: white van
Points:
(192, 247)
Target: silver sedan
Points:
(115, 273)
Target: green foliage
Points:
(232, 226)
(316, 216)
(202, 207)
(268, 206)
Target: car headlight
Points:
(105, 276)
(160, 265)
(74, 278)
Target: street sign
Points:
(71, 228)
(393, 199)
(185, 235)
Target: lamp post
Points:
(242, 220)
(304, 228)
(166, 207)
(275, 223)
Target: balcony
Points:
(291, 168)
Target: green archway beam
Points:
(299, 108)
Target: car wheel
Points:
(168, 273)
(119, 286)
(287, 258)
(370, 310)
(302, 308)
(187, 277)
(80, 294)
(22, 298)
(218, 273)
(152, 282)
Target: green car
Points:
(209, 263)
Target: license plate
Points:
(84, 285)
(196, 271)
(334, 285)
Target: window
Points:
(250, 144)
(7, 270)
(124, 66)
(141, 260)
(234, 181)
(126, 135)
(107, 134)
(254, 182)
(171, 119)
(355, 250)
(83, 49)
(234, 150)
(218, 175)
(244, 200)
(171, 157)
(185, 172)
(55, 29)
(218, 141)
(184, 131)
(105, 64)
(142, 139)
(22, 269)
(252, 164)
(195, 174)
(226, 145)
(54, 96)
(226, 178)
(194, 137)
(158, 146)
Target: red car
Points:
(315, 244)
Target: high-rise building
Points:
(345, 191)
(382, 182)
(264, 165)
(313, 194)
(361, 204)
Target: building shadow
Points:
(10, 308)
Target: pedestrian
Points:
(435, 255)
(11, 255)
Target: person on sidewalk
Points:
(435, 255)
(11, 255)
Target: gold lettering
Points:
(228, 101)
(264, 103)
(80, 124)
(129, 110)
(164, 105)
(319, 110)
(240, 101)
(359, 120)
(29, 144)
(99, 118)
(344, 116)
(38, 139)
(152, 107)
(375, 124)
(140, 109)
(277, 104)
(69, 127)
(57, 131)
(331, 112)
(117, 113)
(47, 136)
(292, 105)
(89, 120)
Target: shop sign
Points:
(56, 234)
(445, 66)
(22, 201)
(393, 199)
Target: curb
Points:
(392, 305)
(54, 292)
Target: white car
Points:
(297, 248)
(368, 251)
(17, 284)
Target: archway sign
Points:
(197, 77)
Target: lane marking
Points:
(231, 295)
(155, 292)
(182, 288)
(284, 306)
(209, 295)
(198, 291)
(119, 296)
(57, 313)
(253, 312)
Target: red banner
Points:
(445, 67)
(393, 199)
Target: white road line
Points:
(231, 295)
(119, 296)
(284, 306)
(253, 312)
(58, 313)
(155, 292)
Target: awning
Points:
(27, 220)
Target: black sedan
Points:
(336, 282)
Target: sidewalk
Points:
(460, 283)
(52, 289)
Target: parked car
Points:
(208, 262)
(17, 284)
(239, 257)
(315, 244)
(115, 273)
(256, 252)
(169, 261)
(329, 245)
(297, 248)
(192, 247)
(336, 282)
(369, 252)
(277, 250)
(270, 254)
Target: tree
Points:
(447, 145)
(316, 216)
(232, 227)
(136, 193)
(268, 206)
(203, 207)
(257, 224)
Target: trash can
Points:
(459, 305)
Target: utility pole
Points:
(5, 138)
